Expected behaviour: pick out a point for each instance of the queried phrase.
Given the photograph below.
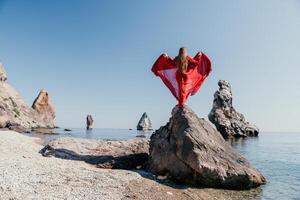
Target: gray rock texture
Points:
(3, 76)
(105, 154)
(144, 123)
(89, 122)
(190, 150)
(227, 120)
(15, 114)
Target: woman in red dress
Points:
(183, 75)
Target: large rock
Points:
(144, 123)
(89, 122)
(190, 150)
(15, 114)
(44, 107)
(227, 120)
(105, 154)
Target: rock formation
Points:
(105, 154)
(190, 150)
(89, 122)
(227, 120)
(14, 112)
(3, 76)
(144, 123)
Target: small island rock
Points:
(189, 150)
(144, 123)
(227, 120)
(89, 122)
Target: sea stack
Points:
(227, 120)
(43, 105)
(89, 122)
(190, 150)
(144, 123)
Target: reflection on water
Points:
(276, 155)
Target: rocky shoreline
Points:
(25, 174)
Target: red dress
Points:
(182, 85)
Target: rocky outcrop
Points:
(190, 150)
(105, 154)
(144, 123)
(15, 114)
(44, 107)
(89, 122)
(3, 76)
(227, 120)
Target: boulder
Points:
(227, 120)
(44, 107)
(15, 114)
(190, 150)
(89, 122)
(102, 153)
(144, 123)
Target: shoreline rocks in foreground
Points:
(189, 150)
(227, 120)
(144, 123)
(106, 154)
(16, 115)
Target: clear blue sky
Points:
(95, 56)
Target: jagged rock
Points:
(190, 150)
(144, 123)
(3, 76)
(227, 120)
(105, 154)
(44, 107)
(89, 122)
(15, 114)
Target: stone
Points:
(44, 107)
(89, 122)
(190, 150)
(14, 112)
(3, 76)
(127, 154)
(144, 123)
(227, 120)
(67, 130)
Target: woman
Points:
(183, 75)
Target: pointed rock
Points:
(43, 105)
(190, 150)
(227, 120)
(89, 122)
(144, 123)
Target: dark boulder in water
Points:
(227, 120)
(190, 150)
(125, 154)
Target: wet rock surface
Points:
(102, 153)
(191, 151)
(145, 123)
(227, 120)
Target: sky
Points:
(95, 57)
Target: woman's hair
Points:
(181, 60)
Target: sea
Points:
(275, 154)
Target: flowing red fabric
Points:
(182, 85)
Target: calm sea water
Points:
(276, 155)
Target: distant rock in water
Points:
(144, 123)
(15, 114)
(107, 154)
(227, 120)
(43, 105)
(189, 150)
(3, 76)
(89, 122)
